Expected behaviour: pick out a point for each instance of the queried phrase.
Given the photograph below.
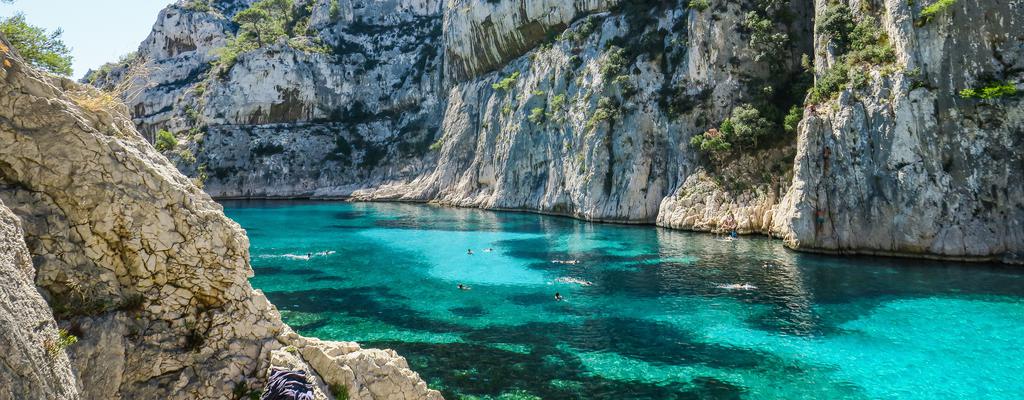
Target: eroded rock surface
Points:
(135, 260)
(33, 365)
(911, 167)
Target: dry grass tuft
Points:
(94, 100)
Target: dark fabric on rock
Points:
(287, 385)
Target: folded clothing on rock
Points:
(287, 385)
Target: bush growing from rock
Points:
(930, 12)
(506, 83)
(64, 340)
(165, 140)
(700, 5)
(991, 90)
(537, 115)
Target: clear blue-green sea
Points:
(648, 313)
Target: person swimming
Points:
(463, 287)
(558, 297)
(737, 286)
(469, 252)
(488, 250)
(566, 279)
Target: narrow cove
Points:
(669, 314)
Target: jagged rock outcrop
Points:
(906, 165)
(482, 35)
(135, 260)
(33, 365)
(587, 109)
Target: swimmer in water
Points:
(463, 287)
(488, 250)
(309, 255)
(469, 252)
(558, 297)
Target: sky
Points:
(98, 31)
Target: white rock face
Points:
(33, 366)
(912, 168)
(135, 259)
(483, 35)
(402, 108)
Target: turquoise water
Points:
(669, 315)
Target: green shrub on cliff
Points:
(792, 119)
(930, 12)
(264, 23)
(537, 115)
(506, 83)
(991, 90)
(835, 22)
(197, 5)
(165, 140)
(606, 111)
(769, 44)
(64, 340)
(700, 5)
(750, 127)
(615, 63)
(339, 391)
(335, 10)
(44, 50)
(437, 145)
(860, 47)
(747, 128)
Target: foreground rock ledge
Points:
(139, 263)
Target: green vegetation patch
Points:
(44, 50)
(263, 23)
(506, 83)
(860, 45)
(991, 90)
(64, 340)
(700, 5)
(933, 10)
(165, 140)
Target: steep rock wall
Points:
(911, 166)
(33, 365)
(497, 153)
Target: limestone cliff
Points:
(137, 263)
(588, 108)
(908, 164)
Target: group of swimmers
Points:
(558, 296)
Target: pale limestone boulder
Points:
(368, 374)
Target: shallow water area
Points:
(648, 313)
